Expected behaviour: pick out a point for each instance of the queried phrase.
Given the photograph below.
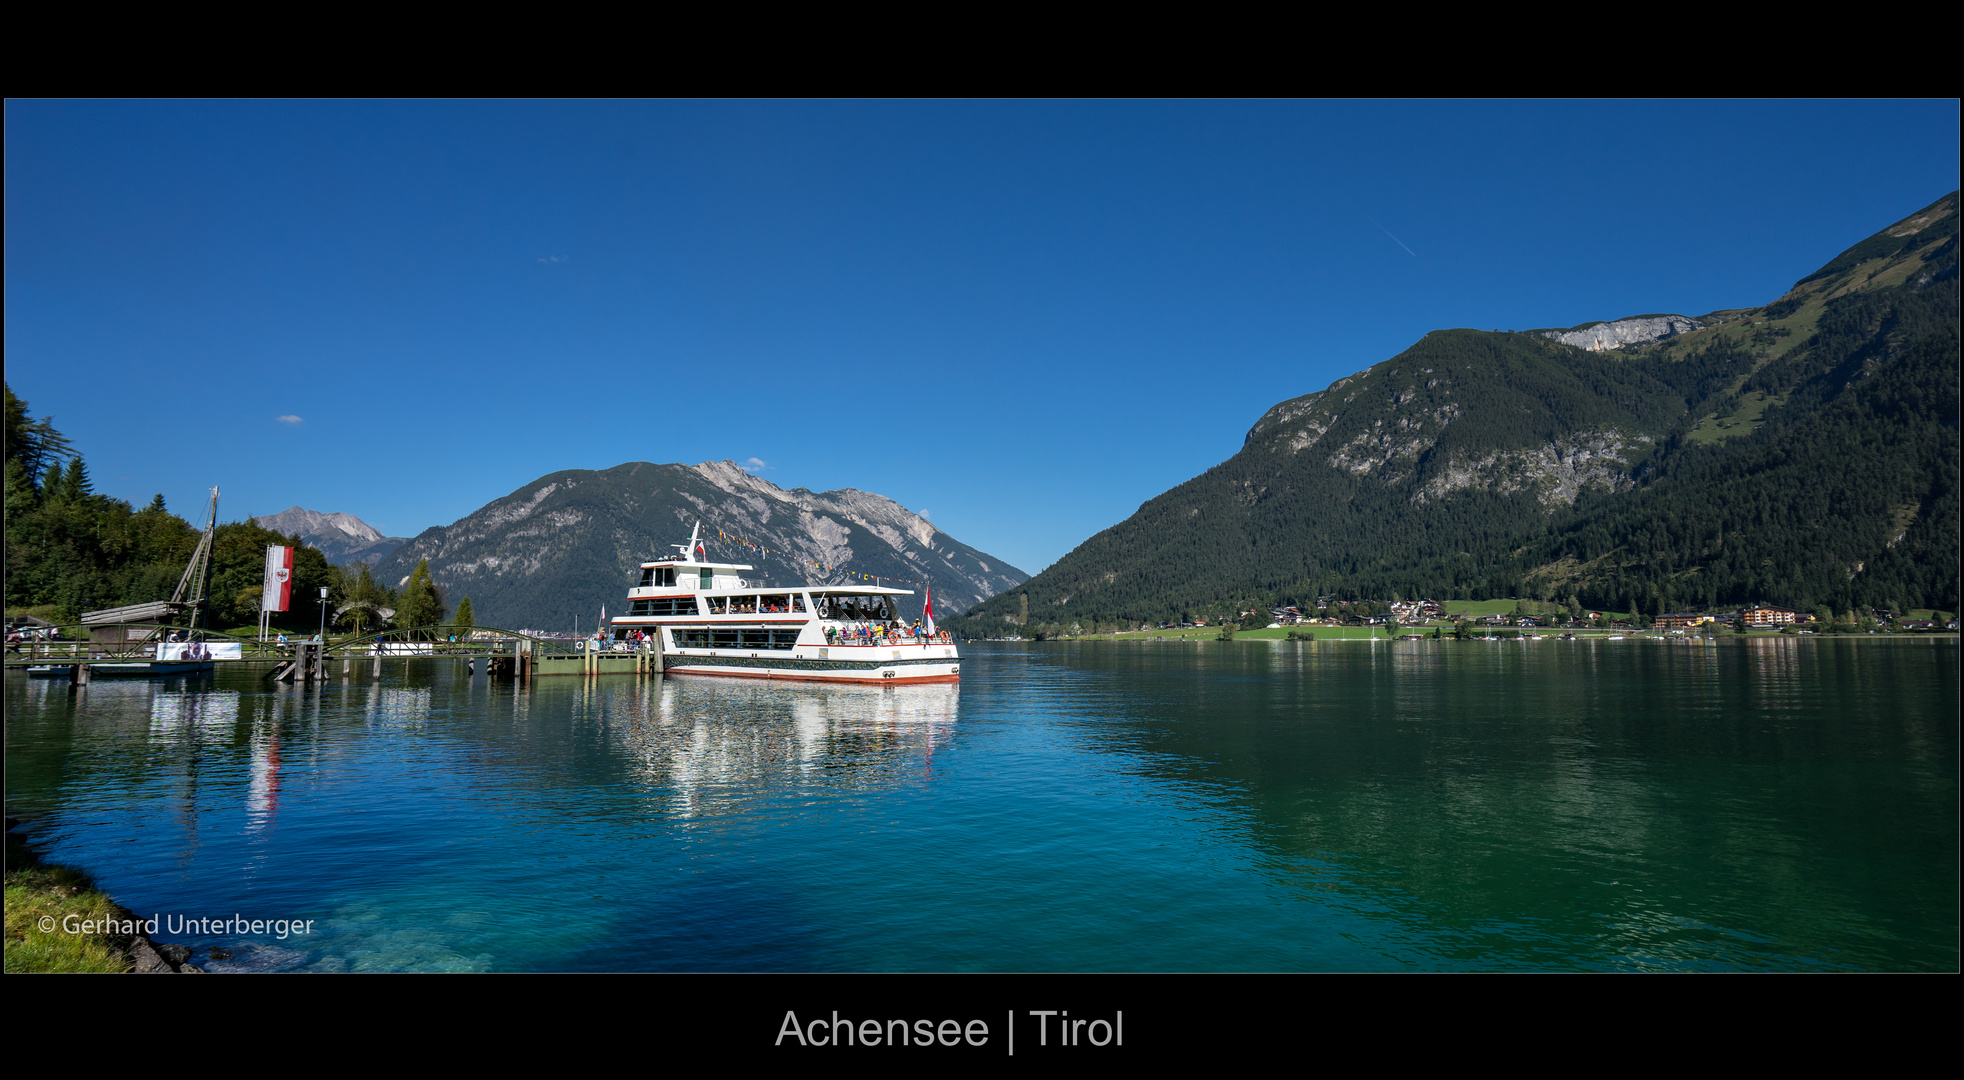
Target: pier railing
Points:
(139, 641)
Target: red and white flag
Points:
(927, 607)
(277, 590)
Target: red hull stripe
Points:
(817, 678)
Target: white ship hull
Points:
(888, 665)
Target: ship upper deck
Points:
(688, 575)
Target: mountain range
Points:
(344, 538)
(561, 547)
(1803, 453)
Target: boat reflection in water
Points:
(704, 743)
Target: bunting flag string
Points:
(732, 540)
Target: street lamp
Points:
(323, 637)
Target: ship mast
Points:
(689, 549)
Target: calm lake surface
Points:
(1767, 804)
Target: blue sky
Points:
(1023, 318)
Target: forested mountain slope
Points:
(1802, 453)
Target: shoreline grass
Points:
(37, 891)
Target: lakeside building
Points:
(1681, 620)
(1411, 611)
(1766, 615)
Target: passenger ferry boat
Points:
(705, 618)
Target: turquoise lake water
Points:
(1767, 804)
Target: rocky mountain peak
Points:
(570, 542)
(343, 538)
(296, 521)
(1603, 336)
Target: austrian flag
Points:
(277, 591)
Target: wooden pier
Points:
(506, 654)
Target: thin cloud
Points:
(291, 419)
(1394, 239)
(555, 258)
(753, 465)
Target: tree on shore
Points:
(420, 603)
(464, 617)
(364, 601)
(35, 444)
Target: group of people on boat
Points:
(883, 634)
(754, 605)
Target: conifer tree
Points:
(34, 443)
(464, 617)
(75, 482)
(364, 599)
(420, 604)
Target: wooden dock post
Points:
(81, 675)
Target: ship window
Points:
(798, 603)
(708, 578)
(857, 608)
(648, 578)
(663, 605)
(719, 605)
(722, 637)
(694, 637)
(774, 602)
(783, 639)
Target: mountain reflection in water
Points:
(1765, 804)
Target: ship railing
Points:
(796, 607)
(845, 633)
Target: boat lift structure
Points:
(112, 626)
